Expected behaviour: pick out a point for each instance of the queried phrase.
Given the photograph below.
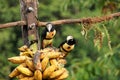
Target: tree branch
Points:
(83, 20)
(11, 24)
(90, 20)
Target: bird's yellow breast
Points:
(47, 42)
(68, 47)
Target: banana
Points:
(31, 53)
(53, 62)
(17, 59)
(14, 73)
(30, 64)
(43, 55)
(48, 71)
(23, 64)
(57, 73)
(27, 78)
(32, 78)
(24, 54)
(25, 70)
(62, 61)
(54, 54)
(28, 53)
(23, 48)
(20, 76)
(51, 55)
(38, 75)
(63, 76)
(44, 63)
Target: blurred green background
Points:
(88, 61)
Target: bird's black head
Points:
(71, 40)
(50, 27)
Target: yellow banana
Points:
(50, 52)
(54, 54)
(31, 53)
(24, 54)
(17, 59)
(23, 64)
(62, 61)
(14, 73)
(48, 71)
(27, 53)
(44, 63)
(57, 73)
(43, 55)
(20, 76)
(31, 78)
(53, 62)
(28, 71)
(38, 75)
(24, 70)
(27, 78)
(63, 76)
(30, 64)
(23, 48)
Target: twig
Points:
(11, 24)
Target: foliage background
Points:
(86, 61)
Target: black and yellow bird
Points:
(67, 46)
(47, 35)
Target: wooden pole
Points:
(29, 31)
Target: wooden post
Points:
(29, 31)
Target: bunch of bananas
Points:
(51, 65)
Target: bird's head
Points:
(50, 30)
(71, 40)
(49, 27)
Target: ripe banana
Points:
(27, 78)
(30, 64)
(17, 59)
(63, 76)
(62, 61)
(54, 55)
(24, 54)
(48, 71)
(28, 53)
(44, 63)
(57, 73)
(14, 73)
(23, 48)
(50, 61)
(53, 62)
(38, 75)
(25, 70)
(20, 76)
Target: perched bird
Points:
(47, 35)
(68, 45)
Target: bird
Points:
(67, 46)
(47, 36)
